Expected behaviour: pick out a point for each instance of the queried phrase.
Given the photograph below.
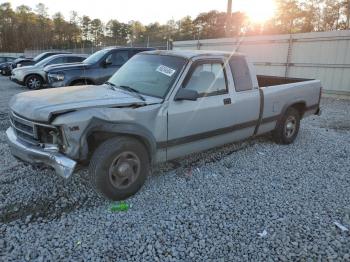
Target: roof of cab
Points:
(188, 54)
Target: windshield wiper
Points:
(112, 86)
(128, 88)
(134, 91)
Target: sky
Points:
(144, 11)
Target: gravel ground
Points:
(253, 200)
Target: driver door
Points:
(196, 125)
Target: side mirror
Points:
(186, 94)
(107, 62)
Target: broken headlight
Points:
(55, 77)
(49, 135)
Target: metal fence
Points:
(11, 54)
(90, 50)
(320, 55)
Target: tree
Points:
(74, 30)
(117, 32)
(85, 25)
(345, 6)
(137, 32)
(24, 28)
(288, 16)
(211, 24)
(311, 13)
(8, 28)
(238, 22)
(187, 29)
(331, 15)
(58, 29)
(97, 32)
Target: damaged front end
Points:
(35, 142)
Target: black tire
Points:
(34, 82)
(111, 159)
(78, 83)
(287, 127)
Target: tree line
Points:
(26, 28)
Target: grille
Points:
(25, 129)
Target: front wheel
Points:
(119, 167)
(287, 127)
(34, 82)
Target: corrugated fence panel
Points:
(317, 55)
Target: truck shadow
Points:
(77, 193)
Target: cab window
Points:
(208, 79)
(241, 74)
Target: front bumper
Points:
(55, 84)
(14, 79)
(63, 165)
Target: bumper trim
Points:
(13, 79)
(63, 165)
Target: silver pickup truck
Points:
(159, 106)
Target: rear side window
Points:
(73, 59)
(58, 60)
(240, 73)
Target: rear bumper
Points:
(63, 165)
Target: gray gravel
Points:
(254, 200)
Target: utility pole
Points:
(228, 17)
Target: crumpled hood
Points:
(63, 67)
(42, 104)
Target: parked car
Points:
(95, 70)
(34, 77)
(23, 61)
(5, 63)
(159, 106)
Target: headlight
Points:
(49, 135)
(56, 76)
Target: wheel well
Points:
(26, 78)
(97, 138)
(300, 107)
(85, 81)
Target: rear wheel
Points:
(287, 127)
(78, 83)
(119, 167)
(34, 82)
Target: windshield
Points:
(95, 57)
(38, 57)
(45, 61)
(151, 75)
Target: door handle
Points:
(227, 101)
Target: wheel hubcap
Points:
(290, 126)
(124, 170)
(34, 83)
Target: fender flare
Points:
(120, 128)
(81, 79)
(288, 105)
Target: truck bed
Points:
(265, 81)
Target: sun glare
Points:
(258, 11)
